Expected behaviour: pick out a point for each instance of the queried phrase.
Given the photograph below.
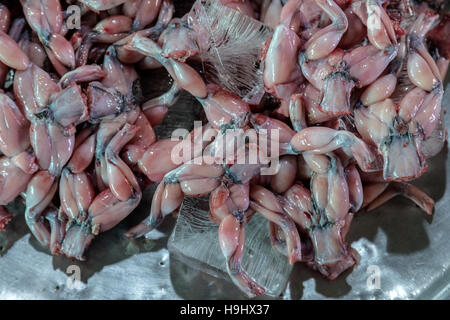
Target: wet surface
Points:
(407, 251)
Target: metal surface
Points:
(409, 250)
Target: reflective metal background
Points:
(410, 250)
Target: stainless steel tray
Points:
(408, 251)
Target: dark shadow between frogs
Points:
(16, 229)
